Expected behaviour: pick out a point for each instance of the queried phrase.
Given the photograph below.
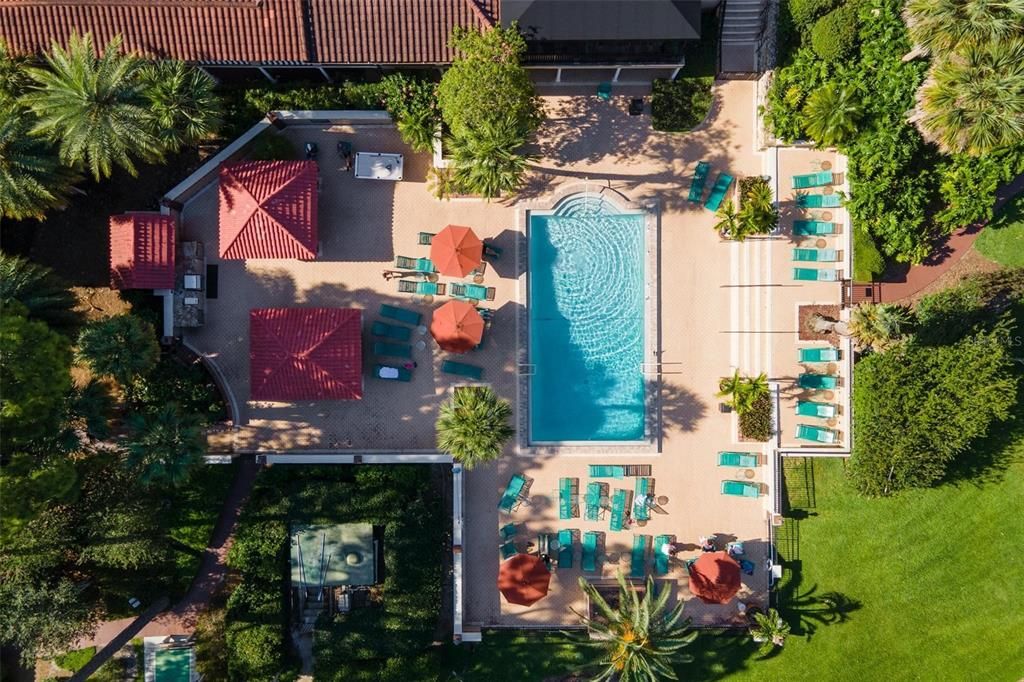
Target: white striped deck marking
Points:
(734, 304)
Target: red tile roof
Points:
(268, 209)
(305, 354)
(142, 251)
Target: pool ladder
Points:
(657, 368)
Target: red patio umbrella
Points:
(715, 578)
(523, 579)
(456, 251)
(457, 327)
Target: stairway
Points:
(741, 34)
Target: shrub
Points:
(75, 660)
(868, 262)
(976, 303)
(258, 549)
(804, 12)
(412, 103)
(254, 652)
(834, 36)
(682, 104)
(124, 347)
(758, 213)
(969, 184)
(756, 423)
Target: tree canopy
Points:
(473, 426)
(123, 346)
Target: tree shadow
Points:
(987, 460)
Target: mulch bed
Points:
(804, 319)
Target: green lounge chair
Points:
(604, 91)
(426, 238)
(813, 228)
(737, 459)
(390, 331)
(807, 408)
(812, 180)
(417, 264)
(700, 176)
(565, 549)
(592, 509)
(565, 502)
(819, 201)
(395, 350)
(661, 549)
(718, 192)
(815, 275)
(641, 499)
(815, 255)
(473, 292)
(817, 434)
(461, 369)
(508, 550)
(607, 471)
(407, 286)
(820, 382)
(387, 372)
(400, 314)
(588, 559)
(508, 531)
(618, 520)
(818, 355)
(741, 489)
(638, 560)
(510, 498)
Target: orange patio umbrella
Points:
(715, 578)
(457, 327)
(523, 579)
(456, 251)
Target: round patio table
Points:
(605, 501)
(478, 279)
(428, 298)
(421, 344)
(641, 522)
(826, 215)
(421, 330)
(748, 473)
(832, 368)
(828, 395)
(821, 243)
(826, 165)
(432, 277)
(613, 557)
(832, 421)
(828, 190)
(662, 500)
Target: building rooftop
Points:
(142, 251)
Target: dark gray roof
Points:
(604, 19)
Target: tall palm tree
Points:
(473, 425)
(641, 639)
(164, 446)
(32, 179)
(831, 113)
(36, 287)
(486, 159)
(182, 103)
(942, 26)
(93, 107)
(878, 326)
(974, 100)
(728, 220)
(124, 347)
(770, 630)
(759, 215)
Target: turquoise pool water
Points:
(586, 310)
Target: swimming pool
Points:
(586, 322)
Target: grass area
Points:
(193, 514)
(75, 660)
(680, 105)
(514, 655)
(1003, 239)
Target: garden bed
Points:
(807, 333)
(679, 106)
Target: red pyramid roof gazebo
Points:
(142, 251)
(268, 209)
(305, 354)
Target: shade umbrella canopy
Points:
(715, 578)
(457, 327)
(523, 579)
(456, 251)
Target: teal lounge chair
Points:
(618, 520)
(741, 489)
(700, 176)
(565, 549)
(473, 292)
(812, 180)
(508, 550)
(566, 508)
(417, 264)
(389, 373)
(426, 238)
(390, 331)
(638, 560)
(807, 408)
(592, 509)
(737, 459)
(817, 434)
(604, 91)
(815, 255)
(813, 228)
(718, 192)
(461, 369)
(661, 547)
(819, 201)
(396, 350)
(820, 382)
(407, 286)
(607, 471)
(815, 275)
(400, 314)
(508, 531)
(641, 499)
(510, 498)
(588, 559)
(818, 355)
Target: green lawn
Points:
(513, 655)
(194, 510)
(1003, 239)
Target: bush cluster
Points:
(804, 12)
(756, 423)
(680, 105)
(834, 35)
(868, 262)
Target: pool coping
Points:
(651, 444)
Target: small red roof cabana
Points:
(268, 209)
(142, 251)
(305, 354)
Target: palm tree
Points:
(93, 107)
(942, 26)
(758, 214)
(32, 179)
(485, 159)
(728, 223)
(770, 630)
(742, 392)
(36, 287)
(164, 445)
(473, 425)
(13, 78)
(878, 326)
(124, 347)
(183, 105)
(91, 405)
(641, 639)
(831, 113)
(974, 101)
